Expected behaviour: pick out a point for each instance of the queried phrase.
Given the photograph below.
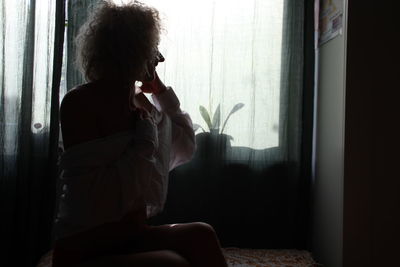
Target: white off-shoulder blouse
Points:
(103, 179)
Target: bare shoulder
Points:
(78, 115)
(76, 102)
(78, 94)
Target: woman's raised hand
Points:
(156, 86)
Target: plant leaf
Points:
(195, 127)
(234, 109)
(206, 116)
(216, 118)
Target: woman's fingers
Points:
(155, 86)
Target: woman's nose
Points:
(160, 57)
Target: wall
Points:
(327, 242)
(357, 182)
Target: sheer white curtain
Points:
(29, 79)
(15, 63)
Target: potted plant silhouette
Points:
(213, 145)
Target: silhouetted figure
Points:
(119, 148)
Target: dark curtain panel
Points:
(304, 208)
(30, 57)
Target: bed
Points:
(238, 257)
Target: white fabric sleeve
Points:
(183, 142)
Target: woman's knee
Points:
(203, 232)
(203, 228)
(182, 237)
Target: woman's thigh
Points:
(158, 258)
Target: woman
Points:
(119, 148)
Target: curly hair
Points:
(116, 42)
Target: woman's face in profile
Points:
(151, 66)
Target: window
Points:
(224, 52)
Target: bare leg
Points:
(197, 242)
(160, 258)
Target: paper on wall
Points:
(330, 19)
